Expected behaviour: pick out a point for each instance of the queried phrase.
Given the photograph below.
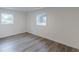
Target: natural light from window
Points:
(41, 19)
(6, 18)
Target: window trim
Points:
(37, 19)
(7, 14)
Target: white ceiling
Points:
(23, 9)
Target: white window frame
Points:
(44, 23)
(4, 17)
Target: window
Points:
(41, 19)
(6, 18)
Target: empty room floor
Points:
(26, 42)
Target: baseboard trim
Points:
(41, 37)
(12, 35)
(53, 40)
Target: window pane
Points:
(41, 19)
(6, 19)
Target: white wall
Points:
(62, 25)
(19, 25)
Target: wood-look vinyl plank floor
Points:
(26, 42)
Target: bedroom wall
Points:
(19, 25)
(62, 25)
